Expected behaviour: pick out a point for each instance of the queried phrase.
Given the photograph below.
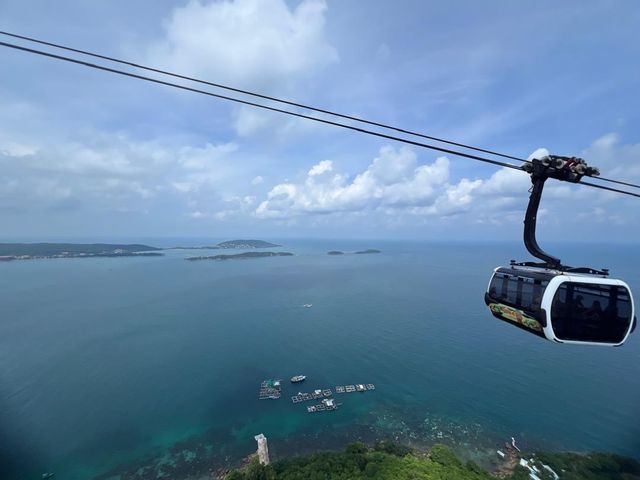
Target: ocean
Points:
(122, 368)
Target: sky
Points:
(87, 154)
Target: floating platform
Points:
(270, 390)
(327, 405)
(315, 395)
(359, 387)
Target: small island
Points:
(335, 252)
(242, 256)
(369, 250)
(246, 244)
(36, 251)
(231, 244)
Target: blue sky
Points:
(88, 154)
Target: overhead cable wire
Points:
(285, 102)
(264, 97)
(602, 187)
(619, 182)
(258, 105)
(287, 112)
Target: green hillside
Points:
(396, 462)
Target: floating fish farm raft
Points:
(359, 387)
(315, 395)
(270, 390)
(327, 404)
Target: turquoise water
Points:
(112, 365)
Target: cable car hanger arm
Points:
(568, 169)
(530, 220)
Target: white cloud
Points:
(184, 187)
(112, 172)
(393, 180)
(202, 158)
(228, 209)
(261, 45)
(245, 42)
(320, 168)
(606, 141)
(538, 153)
(249, 121)
(615, 160)
(273, 126)
(505, 182)
(257, 180)
(395, 186)
(13, 149)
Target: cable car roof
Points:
(545, 273)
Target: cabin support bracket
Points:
(568, 169)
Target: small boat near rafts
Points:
(298, 378)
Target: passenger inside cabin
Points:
(577, 305)
(595, 312)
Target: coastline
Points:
(187, 463)
(213, 452)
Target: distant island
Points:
(242, 256)
(33, 251)
(361, 252)
(247, 244)
(231, 244)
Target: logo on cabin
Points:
(515, 316)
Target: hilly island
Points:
(29, 251)
(242, 256)
(33, 251)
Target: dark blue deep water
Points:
(126, 367)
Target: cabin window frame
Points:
(511, 288)
(586, 317)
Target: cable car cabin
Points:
(563, 307)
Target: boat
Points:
(46, 476)
(298, 378)
(308, 305)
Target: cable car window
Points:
(512, 290)
(527, 294)
(503, 289)
(591, 313)
(496, 288)
(518, 291)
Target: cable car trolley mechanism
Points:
(554, 301)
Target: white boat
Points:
(308, 305)
(298, 378)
